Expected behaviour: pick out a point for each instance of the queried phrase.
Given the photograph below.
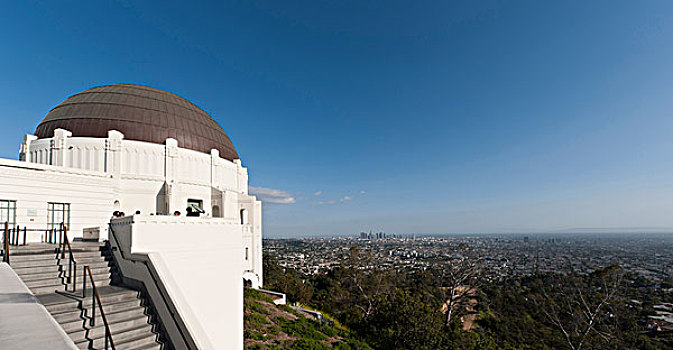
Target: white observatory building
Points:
(171, 169)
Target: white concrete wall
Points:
(94, 173)
(199, 262)
(86, 153)
(140, 169)
(32, 186)
(138, 160)
(142, 159)
(252, 237)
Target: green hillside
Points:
(268, 326)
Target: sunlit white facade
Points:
(83, 180)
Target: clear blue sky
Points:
(403, 116)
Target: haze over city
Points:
(428, 117)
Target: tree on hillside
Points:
(285, 280)
(364, 281)
(583, 308)
(459, 280)
(401, 320)
(273, 272)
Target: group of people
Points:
(190, 212)
(120, 214)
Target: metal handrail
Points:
(11, 237)
(5, 244)
(72, 263)
(50, 235)
(95, 298)
(15, 235)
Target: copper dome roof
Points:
(141, 113)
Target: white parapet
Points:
(199, 263)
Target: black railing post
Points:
(83, 282)
(63, 238)
(93, 305)
(95, 302)
(74, 280)
(5, 244)
(69, 271)
(24, 235)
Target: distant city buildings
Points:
(650, 256)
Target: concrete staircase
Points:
(38, 266)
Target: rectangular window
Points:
(7, 213)
(195, 207)
(58, 213)
(246, 253)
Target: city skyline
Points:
(398, 117)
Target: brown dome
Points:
(141, 113)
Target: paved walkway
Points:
(24, 322)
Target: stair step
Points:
(56, 303)
(108, 294)
(68, 315)
(105, 299)
(51, 256)
(113, 312)
(129, 338)
(121, 314)
(96, 262)
(43, 248)
(32, 248)
(31, 263)
(82, 344)
(39, 276)
(91, 264)
(134, 343)
(119, 335)
(74, 327)
(96, 270)
(55, 280)
(145, 341)
(137, 323)
(87, 244)
(152, 346)
(51, 288)
(26, 271)
(26, 277)
(27, 254)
